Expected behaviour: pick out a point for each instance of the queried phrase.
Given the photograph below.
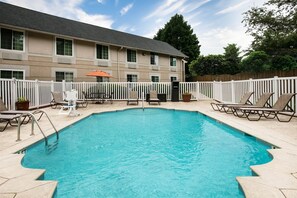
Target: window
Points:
(131, 56)
(173, 78)
(131, 78)
(155, 78)
(12, 40)
(12, 74)
(102, 52)
(102, 79)
(154, 59)
(67, 76)
(64, 47)
(172, 61)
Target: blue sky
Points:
(215, 22)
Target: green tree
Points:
(257, 61)
(274, 27)
(232, 59)
(180, 35)
(283, 63)
(207, 65)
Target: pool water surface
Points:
(150, 153)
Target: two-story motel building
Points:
(34, 45)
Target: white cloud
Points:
(125, 9)
(193, 6)
(232, 8)
(213, 41)
(67, 9)
(166, 8)
(100, 1)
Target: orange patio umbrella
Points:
(99, 73)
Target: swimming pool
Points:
(151, 153)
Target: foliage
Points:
(22, 99)
(232, 59)
(283, 63)
(180, 35)
(274, 27)
(257, 61)
(207, 65)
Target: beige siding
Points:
(84, 50)
(41, 63)
(41, 44)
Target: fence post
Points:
(37, 93)
(197, 90)
(221, 91)
(275, 88)
(63, 85)
(251, 85)
(295, 95)
(13, 93)
(232, 91)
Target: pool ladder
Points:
(34, 120)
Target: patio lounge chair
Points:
(57, 100)
(8, 119)
(132, 97)
(281, 107)
(154, 97)
(263, 101)
(223, 107)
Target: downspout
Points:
(118, 67)
(183, 74)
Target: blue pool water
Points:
(151, 153)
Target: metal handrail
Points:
(34, 120)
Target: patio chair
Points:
(8, 119)
(132, 97)
(154, 97)
(263, 101)
(82, 103)
(57, 100)
(223, 107)
(281, 107)
(70, 108)
(107, 97)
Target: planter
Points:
(22, 105)
(187, 97)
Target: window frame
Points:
(174, 60)
(155, 75)
(96, 52)
(173, 76)
(12, 43)
(72, 47)
(132, 50)
(14, 70)
(132, 77)
(155, 59)
(64, 77)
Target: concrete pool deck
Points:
(277, 178)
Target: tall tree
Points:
(274, 27)
(180, 35)
(232, 59)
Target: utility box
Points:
(175, 91)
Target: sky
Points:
(216, 23)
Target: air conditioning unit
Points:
(173, 69)
(64, 60)
(12, 56)
(103, 63)
(131, 66)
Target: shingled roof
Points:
(36, 21)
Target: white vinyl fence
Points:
(39, 92)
